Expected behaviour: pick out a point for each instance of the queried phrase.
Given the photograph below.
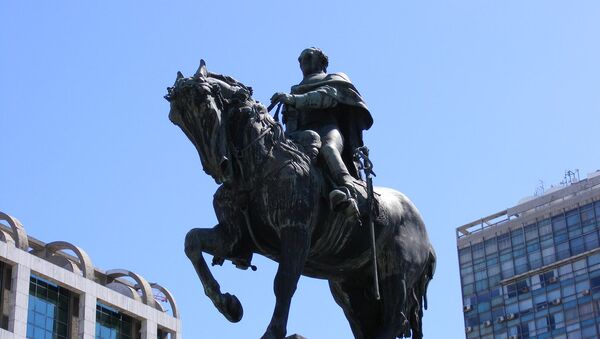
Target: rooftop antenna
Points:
(570, 177)
(539, 190)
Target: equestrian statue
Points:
(303, 197)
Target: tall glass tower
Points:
(533, 270)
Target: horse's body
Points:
(271, 203)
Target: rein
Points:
(239, 153)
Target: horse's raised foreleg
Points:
(295, 243)
(216, 242)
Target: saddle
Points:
(309, 142)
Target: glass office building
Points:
(533, 270)
(53, 291)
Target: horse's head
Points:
(198, 107)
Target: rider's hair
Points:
(322, 58)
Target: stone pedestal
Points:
(295, 336)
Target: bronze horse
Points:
(271, 202)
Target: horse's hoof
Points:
(232, 308)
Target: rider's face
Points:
(309, 62)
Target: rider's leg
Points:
(331, 149)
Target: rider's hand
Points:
(285, 98)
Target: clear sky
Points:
(474, 102)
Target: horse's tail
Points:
(420, 296)
(428, 275)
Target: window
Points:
(577, 246)
(465, 255)
(586, 311)
(112, 324)
(593, 262)
(573, 219)
(558, 223)
(48, 311)
(477, 250)
(562, 251)
(544, 227)
(587, 218)
(504, 241)
(5, 287)
(517, 237)
(546, 278)
(490, 246)
(591, 241)
(531, 232)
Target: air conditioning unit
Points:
(556, 301)
(587, 292)
(510, 316)
(467, 308)
(487, 323)
(501, 319)
(552, 280)
(468, 329)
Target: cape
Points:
(351, 112)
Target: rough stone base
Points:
(295, 336)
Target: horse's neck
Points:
(255, 154)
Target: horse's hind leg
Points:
(362, 310)
(395, 295)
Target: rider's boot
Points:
(343, 197)
(343, 200)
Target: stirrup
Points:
(342, 201)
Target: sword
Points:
(362, 155)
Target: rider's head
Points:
(313, 60)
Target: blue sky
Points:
(474, 102)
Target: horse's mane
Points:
(278, 136)
(230, 81)
(299, 157)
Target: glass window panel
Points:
(579, 265)
(467, 279)
(562, 250)
(517, 237)
(591, 240)
(481, 285)
(495, 280)
(589, 332)
(491, 246)
(558, 223)
(525, 305)
(535, 259)
(532, 247)
(594, 259)
(571, 315)
(546, 241)
(477, 250)
(544, 227)
(586, 311)
(561, 236)
(573, 218)
(577, 246)
(504, 241)
(582, 286)
(47, 304)
(531, 232)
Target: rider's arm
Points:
(323, 97)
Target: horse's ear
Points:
(201, 70)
